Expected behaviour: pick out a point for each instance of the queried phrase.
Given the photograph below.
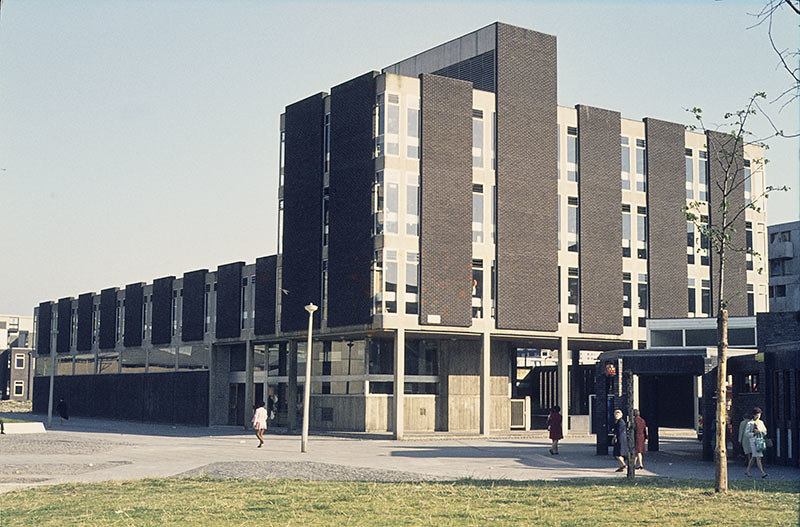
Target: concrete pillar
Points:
(291, 389)
(635, 393)
(563, 383)
(249, 388)
(486, 384)
(399, 383)
(698, 392)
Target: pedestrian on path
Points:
(260, 422)
(639, 434)
(63, 410)
(756, 433)
(620, 439)
(554, 425)
(743, 441)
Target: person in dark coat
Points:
(554, 425)
(62, 410)
(620, 440)
(639, 434)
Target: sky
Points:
(139, 139)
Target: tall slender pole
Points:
(307, 388)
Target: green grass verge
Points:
(6, 421)
(206, 502)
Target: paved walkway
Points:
(99, 450)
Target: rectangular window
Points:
(705, 244)
(392, 124)
(776, 267)
(705, 297)
(477, 214)
(747, 183)
(689, 242)
(692, 307)
(327, 159)
(626, 299)
(641, 166)
(477, 288)
(751, 300)
(702, 179)
(749, 245)
(644, 304)
(19, 361)
(625, 155)
(573, 295)
(626, 230)
(689, 175)
(412, 204)
(572, 153)
(19, 388)
(477, 138)
(573, 228)
(412, 283)
(412, 139)
(780, 291)
(390, 285)
(641, 232)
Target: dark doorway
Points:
(236, 404)
(667, 400)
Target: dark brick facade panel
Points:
(666, 222)
(161, 322)
(302, 217)
(527, 186)
(108, 318)
(722, 148)
(266, 282)
(134, 297)
(777, 328)
(64, 337)
(600, 221)
(45, 322)
(352, 173)
(229, 300)
(193, 305)
(446, 196)
(85, 310)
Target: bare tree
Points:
(725, 147)
(788, 57)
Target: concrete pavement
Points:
(90, 450)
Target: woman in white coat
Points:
(755, 433)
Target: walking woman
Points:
(639, 434)
(554, 425)
(755, 433)
(260, 422)
(620, 440)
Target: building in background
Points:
(448, 217)
(17, 361)
(784, 266)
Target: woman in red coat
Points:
(640, 434)
(554, 425)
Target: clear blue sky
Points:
(139, 139)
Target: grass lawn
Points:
(6, 421)
(207, 502)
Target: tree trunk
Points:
(721, 455)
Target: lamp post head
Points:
(311, 308)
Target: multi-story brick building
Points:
(447, 216)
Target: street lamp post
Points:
(307, 388)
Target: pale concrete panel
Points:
(348, 412)
(420, 413)
(379, 413)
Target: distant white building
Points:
(16, 357)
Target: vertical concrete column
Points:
(698, 393)
(291, 389)
(635, 392)
(249, 388)
(399, 383)
(563, 383)
(486, 384)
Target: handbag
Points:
(760, 443)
